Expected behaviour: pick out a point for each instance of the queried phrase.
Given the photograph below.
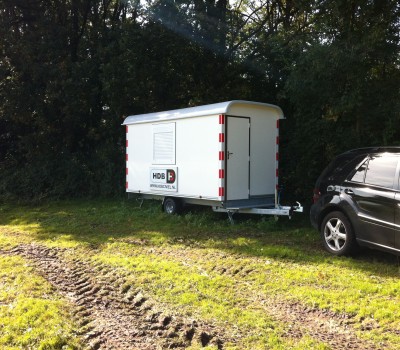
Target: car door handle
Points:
(348, 191)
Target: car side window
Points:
(360, 173)
(381, 170)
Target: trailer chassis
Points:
(266, 209)
(277, 211)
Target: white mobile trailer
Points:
(223, 155)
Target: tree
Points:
(345, 86)
(70, 71)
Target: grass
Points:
(31, 315)
(199, 266)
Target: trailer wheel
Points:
(171, 206)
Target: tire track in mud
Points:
(113, 314)
(326, 326)
(110, 313)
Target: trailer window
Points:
(164, 143)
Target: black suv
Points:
(357, 201)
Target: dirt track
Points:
(112, 314)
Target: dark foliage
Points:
(70, 71)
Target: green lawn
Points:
(200, 266)
(31, 315)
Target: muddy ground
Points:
(112, 314)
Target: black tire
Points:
(337, 234)
(171, 206)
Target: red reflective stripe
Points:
(126, 143)
(221, 119)
(277, 140)
(221, 137)
(277, 156)
(221, 155)
(277, 124)
(126, 184)
(221, 191)
(126, 128)
(221, 173)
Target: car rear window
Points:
(340, 167)
(336, 166)
(359, 175)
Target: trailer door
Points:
(238, 158)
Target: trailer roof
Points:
(211, 109)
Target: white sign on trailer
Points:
(162, 179)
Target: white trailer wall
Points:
(263, 149)
(264, 134)
(196, 157)
(264, 144)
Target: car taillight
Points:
(316, 195)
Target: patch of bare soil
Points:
(334, 329)
(114, 315)
(110, 314)
(325, 326)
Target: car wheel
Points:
(171, 206)
(337, 234)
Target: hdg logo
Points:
(166, 176)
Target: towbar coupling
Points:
(298, 208)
